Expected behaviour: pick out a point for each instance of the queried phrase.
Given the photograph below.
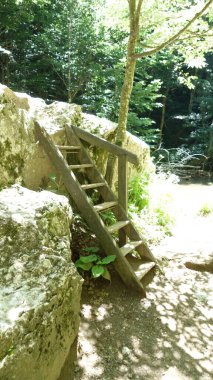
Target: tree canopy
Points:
(146, 64)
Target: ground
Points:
(168, 335)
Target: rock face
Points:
(39, 286)
(107, 129)
(22, 160)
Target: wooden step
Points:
(117, 226)
(129, 247)
(140, 268)
(80, 166)
(104, 206)
(68, 147)
(92, 185)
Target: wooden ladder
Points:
(134, 259)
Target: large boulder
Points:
(107, 129)
(22, 159)
(40, 288)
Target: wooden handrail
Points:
(104, 144)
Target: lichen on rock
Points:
(39, 286)
(23, 160)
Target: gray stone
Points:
(40, 288)
(23, 160)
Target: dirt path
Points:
(168, 335)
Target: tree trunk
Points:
(69, 32)
(191, 100)
(163, 114)
(127, 85)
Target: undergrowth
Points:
(149, 206)
(205, 210)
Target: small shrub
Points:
(94, 264)
(149, 206)
(205, 210)
(108, 217)
(138, 192)
(164, 219)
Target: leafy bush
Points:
(95, 264)
(108, 217)
(149, 206)
(138, 191)
(205, 210)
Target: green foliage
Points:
(138, 191)
(56, 185)
(108, 217)
(205, 210)
(164, 218)
(76, 50)
(95, 264)
(149, 208)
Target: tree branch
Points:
(175, 37)
(140, 2)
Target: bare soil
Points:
(168, 335)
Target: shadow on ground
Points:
(166, 336)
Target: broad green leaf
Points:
(106, 275)
(88, 259)
(108, 259)
(91, 249)
(52, 177)
(97, 271)
(84, 266)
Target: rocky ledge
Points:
(40, 288)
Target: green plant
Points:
(138, 191)
(205, 210)
(163, 218)
(155, 219)
(108, 217)
(95, 264)
(55, 185)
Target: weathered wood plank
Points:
(92, 185)
(140, 269)
(68, 147)
(117, 226)
(122, 193)
(80, 166)
(104, 144)
(104, 206)
(130, 246)
(122, 182)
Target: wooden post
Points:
(122, 192)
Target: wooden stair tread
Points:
(130, 246)
(104, 206)
(117, 226)
(92, 185)
(80, 166)
(140, 268)
(68, 147)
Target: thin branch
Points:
(140, 2)
(189, 35)
(175, 37)
(138, 11)
(132, 13)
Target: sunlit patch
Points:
(170, 322)
(14, 313)
(86, 311)
(101, 313)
